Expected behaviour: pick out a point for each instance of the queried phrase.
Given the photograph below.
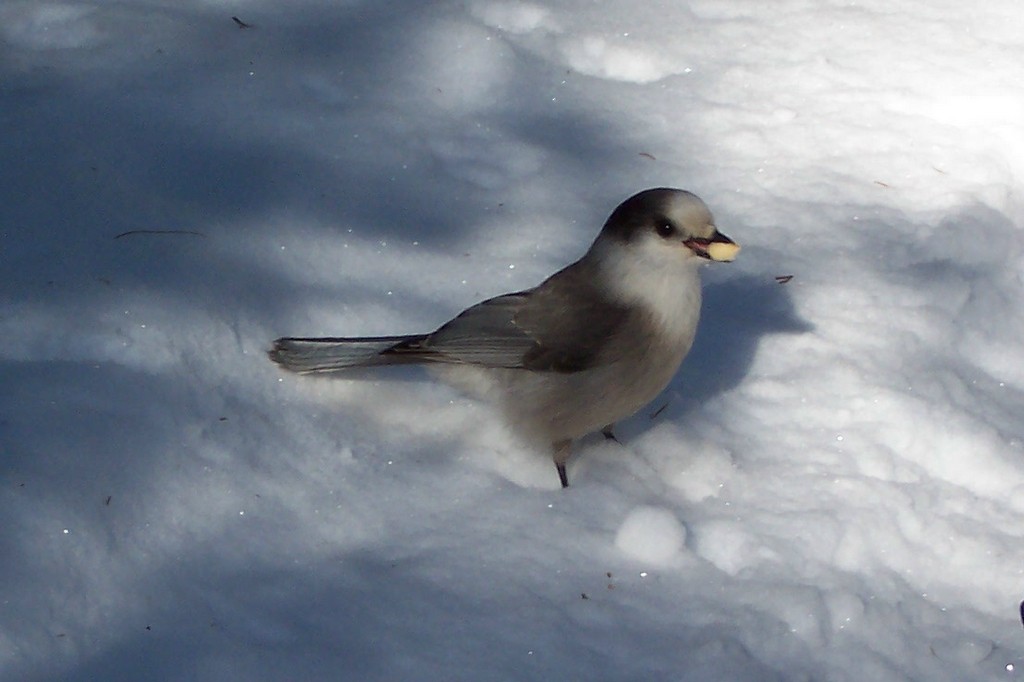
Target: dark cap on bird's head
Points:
(673, 215)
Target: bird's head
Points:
(667, 226)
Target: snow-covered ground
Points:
(831, 489)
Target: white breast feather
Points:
(662, 279)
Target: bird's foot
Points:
(562, 450)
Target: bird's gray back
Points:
(560, 326)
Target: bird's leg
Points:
(562, 450)
(608, 433)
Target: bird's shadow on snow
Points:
(736, 315)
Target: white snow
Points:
(832, 488)
(651, 534)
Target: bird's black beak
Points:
(717, 247)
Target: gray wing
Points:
(563, 325)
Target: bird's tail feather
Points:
(307, 356)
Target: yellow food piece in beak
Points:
(722, 251)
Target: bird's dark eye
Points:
(666, 229)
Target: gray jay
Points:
(590, 345)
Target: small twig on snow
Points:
(132, 233)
